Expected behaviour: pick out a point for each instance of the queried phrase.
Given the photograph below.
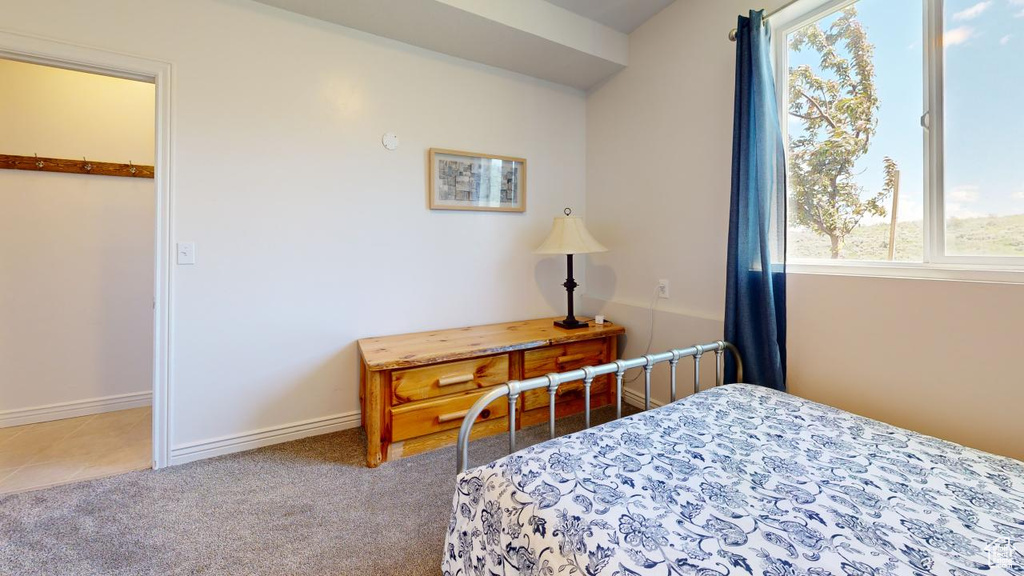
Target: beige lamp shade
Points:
(569, 236)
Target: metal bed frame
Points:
(552, 381)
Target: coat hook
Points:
(88, 166)
(39, 163)
(130, 167)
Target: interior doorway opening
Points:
(78, 257)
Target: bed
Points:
(739, 480)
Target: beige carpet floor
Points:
(305, 507)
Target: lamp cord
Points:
(650, 335)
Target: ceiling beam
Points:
(531, 37)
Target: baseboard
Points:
(63, 410)
(298, 430)
(636, 399)
(263, 437)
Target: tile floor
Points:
(62, 451)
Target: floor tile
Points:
(118, 418)
(8, 433)
(123, 460)
(18, 453)
(38, 476)
(78, 448)
(92, 441)
(50, 453)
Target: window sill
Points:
(950, 272)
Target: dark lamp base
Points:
(571, 324)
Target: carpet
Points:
(304, 507)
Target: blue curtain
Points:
(755, 303)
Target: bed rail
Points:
(513, 389)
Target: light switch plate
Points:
(186, 253)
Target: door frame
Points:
(38, 50)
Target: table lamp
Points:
(569, 236)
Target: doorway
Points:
(76, 268)
(118, 418)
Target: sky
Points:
(984, 47)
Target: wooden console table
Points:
(415, 389)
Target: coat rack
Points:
(83, 166)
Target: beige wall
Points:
(68, 114)
(76, 251)
(934, 356)
(938, 357)
(659, 146)
(309, 234)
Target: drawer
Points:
(430, 416)
(563, 357)
(437, 440)
(569, 392)
(415, 384)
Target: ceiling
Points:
(622, 15)
(578, 43)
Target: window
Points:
(904, 141)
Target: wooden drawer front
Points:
(437, 440)
(420, 418)
(533, 399)
(563, 357)
(449, 378)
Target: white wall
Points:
(939, 357)
(309, 234)
(76, 251)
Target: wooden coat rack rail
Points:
(83, 166)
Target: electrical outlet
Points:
(663, 288)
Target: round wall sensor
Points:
(389, 140)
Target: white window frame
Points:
(936, 263)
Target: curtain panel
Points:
(755, 313)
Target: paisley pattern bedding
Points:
(740, 480)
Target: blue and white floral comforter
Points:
(740, 480)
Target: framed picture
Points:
(469, 181)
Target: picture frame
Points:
(473, 181)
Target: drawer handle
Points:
(568, 390)
(452, 416)
(570, 358)
(453, 380)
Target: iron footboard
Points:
(513, 389)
